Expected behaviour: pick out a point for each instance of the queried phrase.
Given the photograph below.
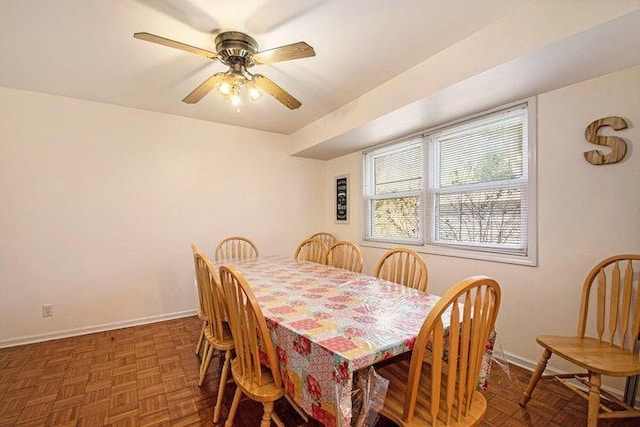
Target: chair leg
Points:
(594, 399)
(203, 352)
(535, 377)
(206, 361)
(276, 419)
(199, 345)
(221, 386)
(203, 358)
(266, 415)
(234, 407)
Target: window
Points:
(464, 189)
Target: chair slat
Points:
(475, 344)
(626, 304)
(454, 348)
(413, 383)
(393, 273)
(614, 303)
(412, 271)
(635, 330)
(602, 296)
(464, 354)
(436, 366)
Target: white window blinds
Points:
(479, 182)
(393, 192)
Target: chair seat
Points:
(226, 343)
(265, 392)
(593, 355)
(394, 404)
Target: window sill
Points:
(528, 261)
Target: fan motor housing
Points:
(234, 47)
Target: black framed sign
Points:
(342, 199)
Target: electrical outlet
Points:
(47, 310)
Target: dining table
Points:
(328, 324)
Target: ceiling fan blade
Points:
(276, 91)
(174, 44)
(283, 53)
(206, 87)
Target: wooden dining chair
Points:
(235, 247)
(608, 327)
(325, 237)
(344, 254)
(217, 332)
(253, 344)
(201, 308)
(311, 250)
(445, 393)
(403, 266)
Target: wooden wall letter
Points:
(618, 145)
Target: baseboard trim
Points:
(530, 366)
(30, 339)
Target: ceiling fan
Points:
(240, 52)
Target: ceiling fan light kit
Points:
(239, 52)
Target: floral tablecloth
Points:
(327, 323)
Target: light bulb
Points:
(254, 93)
(235, 99)
(224, 88)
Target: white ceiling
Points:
(85, 49)
(437, 58)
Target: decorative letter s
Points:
(618, 145)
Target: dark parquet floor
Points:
(147, 376)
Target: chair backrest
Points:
(249, 329)
(212, 295)
(199, 284)
(473, 305)
(616, 303)
(235, 247)
(403, 266)
(344, 254)
(311, 250)
(325, 237)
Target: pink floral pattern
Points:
(271, 324)
(302, 345)
(313, 387)
(322, 315)
(341, 373)
(282, 355)
(355, 332)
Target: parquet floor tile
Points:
(147, 376)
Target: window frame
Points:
(426, 209)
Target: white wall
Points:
(585, 213)
(99, 205)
